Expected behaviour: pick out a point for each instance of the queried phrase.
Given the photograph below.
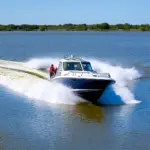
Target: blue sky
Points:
(74, 11)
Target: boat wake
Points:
(34, 84)
(26, 78)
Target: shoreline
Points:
(103, 27)
(119, 31)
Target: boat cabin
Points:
(74, 64)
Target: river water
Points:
(38, 115)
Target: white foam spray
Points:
(38, 63)
(122, 76)
(37, 88)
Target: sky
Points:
(74, 11)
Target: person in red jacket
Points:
(52, 71)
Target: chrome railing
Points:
(79, 73)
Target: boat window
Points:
(72, 66)
(60, 67)
(87, 66)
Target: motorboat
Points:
(78, 74)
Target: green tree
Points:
(42, 28)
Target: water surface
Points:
(26, 123)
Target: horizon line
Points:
(74, 24)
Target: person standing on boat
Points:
(52, 71)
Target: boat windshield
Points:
(87, 66)
(72, 66)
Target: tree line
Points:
(76, 27)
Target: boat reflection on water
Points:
(84, 111)
(89, 112)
